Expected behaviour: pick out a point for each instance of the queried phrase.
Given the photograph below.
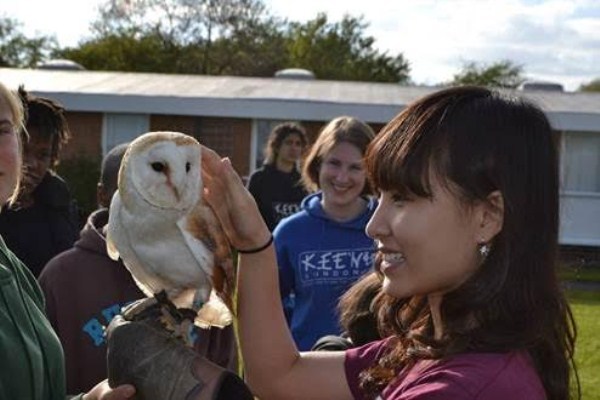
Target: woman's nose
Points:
(376, 226)
(342, 175)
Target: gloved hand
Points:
(161, 367)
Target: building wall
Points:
(86, 136)
(230, 137)
(177, 123)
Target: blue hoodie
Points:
(319, 259)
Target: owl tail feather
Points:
(213, 313)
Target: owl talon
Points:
(178, 321)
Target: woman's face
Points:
(342, 176)
(10, 160)
(427, 246)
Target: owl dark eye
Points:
(158, 166)
(187, 167)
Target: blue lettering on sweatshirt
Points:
(95, 326)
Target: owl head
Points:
(161, 170)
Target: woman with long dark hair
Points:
(467, 233)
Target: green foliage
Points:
(230, 37)
(592, 86)
(258, 50)
(586, 309)
(503, 74)
(124, 52)
(16, 50)
(215, 37)
(82, 174)
(233, 37)
(342, 51)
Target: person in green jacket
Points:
(33, 362)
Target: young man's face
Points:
(37, 156)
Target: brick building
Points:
(234, 116)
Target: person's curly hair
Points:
(48, 116)
(278, 135)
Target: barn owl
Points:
(168, 239)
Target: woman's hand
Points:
(104, 392)
(232, 203)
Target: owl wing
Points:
(202, 232)
(118, 245)
(113, 225)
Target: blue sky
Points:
(556, 40)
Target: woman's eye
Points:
(399, 199)
(7, 130)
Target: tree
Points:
(592, 86)
(125, 52)
(230, 37)
(17, 50)
(504, 74)
(190, 27)
(341, 51)
(258, 50)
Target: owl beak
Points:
(176, 193)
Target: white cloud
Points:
(554, 40)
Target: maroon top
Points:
(489, 376)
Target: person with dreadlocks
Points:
(43, 220)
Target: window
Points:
(581, 161)
(120, 128)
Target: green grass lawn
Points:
(586, 309)
(579, 274)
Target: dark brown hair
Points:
(357, 316)
(477, 141)
(278, 135)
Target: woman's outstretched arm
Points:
(274, 367)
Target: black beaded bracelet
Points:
(257, 249)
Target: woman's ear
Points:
(491, 216)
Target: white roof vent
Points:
(61, 64)
(295, 73)
(542, 85)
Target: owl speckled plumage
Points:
(166, 236)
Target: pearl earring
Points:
(484, 249)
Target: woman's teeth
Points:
(393, 257)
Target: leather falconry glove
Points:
(143, 353)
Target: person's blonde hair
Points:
(18, 113)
